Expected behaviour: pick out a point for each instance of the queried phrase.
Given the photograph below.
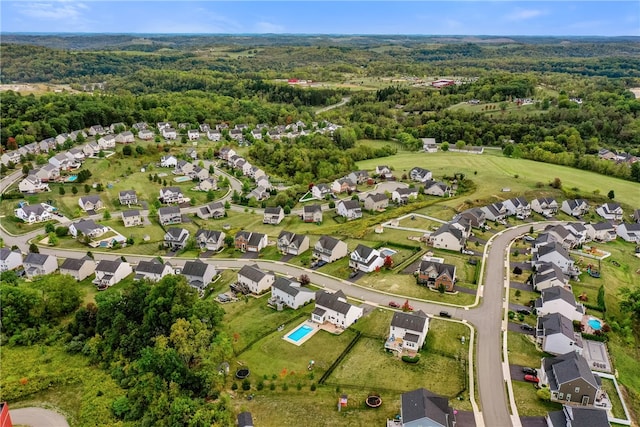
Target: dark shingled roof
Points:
(255, 238)
(286, 285)
(328, 242)
(169, 210)
(363, 251)
(350, 204)
(153, 267)
(108, 266)
(556, 323)
(131, 213)
(312, 209)
(73, 264)
(410, 321)
(331, 301)
(273, 211)
(194, 268)
(36, 259)
(377, 197)
(422, 403)
(252, 272)
(568, 367)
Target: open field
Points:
(495, 172)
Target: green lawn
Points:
(522, 350)
(614, 398)
(528, 403)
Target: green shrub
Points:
(409, 359)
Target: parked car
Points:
(532, 379)
(530, 371)
(467, 252)
(524, 311)
(526, 327)
(353, 274)
(394, 304)
(445, 314)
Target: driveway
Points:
(521, 286)
(287, 257)
(516, 327)
(355, 278)
(533, 422)
(516, 372)
(37, 417)
(250, 255)
(524, 266)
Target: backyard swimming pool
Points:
(182, 179)
(299, 333)
(595, 324)
(387, 252)
(72, 178)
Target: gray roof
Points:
(131, 213)
(195, 268)
(331, 301)
(556, 323)
(406, 191)
(350, 204)
(169, 210)
(558, 292)
(411, 321)
(448, 228)
(85, 226)
(587, 417)
(208, 234)
(285, 285)
(91, 199)
(177, 233)
(36, 259)
(574, 203)
(422, 403)
(363, 251)
(108, 266)
(5, 252)
(171, 189)
(36, 209)
(273, 211)
(127, 193)
(604, 225)
(312, 209)
(553, 247)
(74, 264)
(440, 268)
(252, 272)
(153, 267)
(568, 367)
(255, 238)
(328, 242)
(377, 197)
(547, 271)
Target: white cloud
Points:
(268, 27)
(55, 10)
(524, 14)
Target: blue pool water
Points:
(299, 333)
(72, 178)
(387, 252)
(182, 179)
(595, 324)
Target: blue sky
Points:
(503, 17)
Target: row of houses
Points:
(263, 185)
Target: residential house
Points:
(435, 274)
(429, 145)
(236, 134)
(557, 299)
(193, 134)
(579, 230)
(422, 408)
(171, 195)
(76, 156)
(312, 213)
(255, 280)
(288, 292)
(518, 207)
(91, 149)
(548, 275)
(570, 380)
(263, 183)
(474, 216)
(273, 216)
(349, 209)
(563, 235)
(576, 416)
(106, 142)
(554, 332)
(183, 168)
(365, 259)
(169, 215)
(74, 135)
(109, 273)
(359, 177)
(403, 195)
(198, 274)
(274, 134)
(132, 218)
(245, 419)
(601, 231)
(320, 191)
(334, 308)
(163, 125)
(125, 137)
(146, 135)
(192, 153)
(32, 213)
(213, 210)
(407, 331)
(210, 240)
(259, 193)
(291, 243)
(48, 173)
(214, 135)
(176, 238)
(140, 126)
(545, 206)
(10, 157)
(575, 207)
(555, 254)
(78, 268)
(169, 133)
(32, 184)
(636, 215)
(226, 153)
(610, 211)
(168, 162)
(343, 185)
(10, 260)
(329, 249)
(437, 188)
(39, 264)
(376, 202)
(247, 241)
(152, 270)
(629, 231)
(128, 197)
(90, 203)
(88, 228)
(96, 130)
(62, 162)
(207, 184)
(420, 174)
(448, 237)
(494, 212)
(384, 172)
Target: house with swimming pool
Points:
(333, 308)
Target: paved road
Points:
(331, 107)
(37, 417)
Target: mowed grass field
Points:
(492, 172)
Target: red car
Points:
(532, 378)
(394, 304)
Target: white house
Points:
(554, 332)
(349, 209)
(213, 210)
(407, 331)
(629, 231)
(32, 213)
(132, 218)
(33, 184)
(555, 254)
(107, 141)
(169, 215)
(145, 134)
(518, 207)
(557, 299)
(254, 279)
(437, 188)
(128, 197)
(176, 238)
(329, 249)
(171, 195)
(320, 191)
(545, 206)
(90, 203)
(575, 207)
(78, 268)
(125, 137)
(109, 273)
(168, 161)
(10, 260)
(334, 308)
(429, 145)
(193, 134)
(198, 274)
(494, 212)
(169, 133)
(87, 227)
(420, 175)
(291, 243)
(290, 293)
(403, 195)
(273, 216)
(601, 232)
(610, 211)
(448, 237)
(548, 275)
(214, 135)
(365, 259)
(312, 213)
(211, 240)
(39, 264)
(384, 172)
(152, 270)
